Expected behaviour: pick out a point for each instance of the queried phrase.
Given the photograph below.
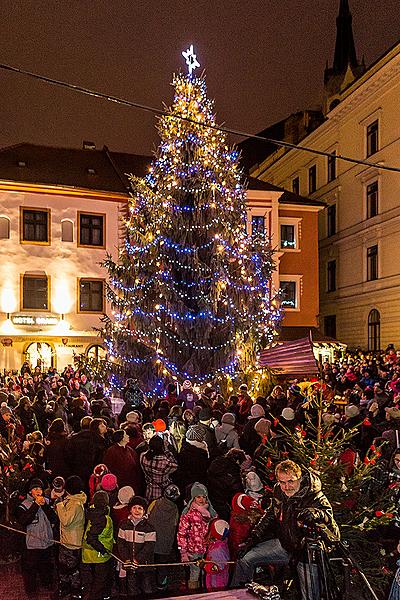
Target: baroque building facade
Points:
(359, 229)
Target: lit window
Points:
(35, 292)
(91, 230)
(372, 200)
(374, 330)
(35, 225)
(288, 237)
(288, 291)
(96, 352)
(372, 138)
(258, 225)
(91, 295)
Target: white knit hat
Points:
(125, 494)
(288, 414)
(187, 385)
(256, 411)
(253, 482)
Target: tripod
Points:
(322, 581)
(319, 578)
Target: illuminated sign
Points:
(30, 320)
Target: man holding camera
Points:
(279, 537)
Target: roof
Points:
(94, 169)
(291, 358)
(286, 197)
(70, 167)
(296, 333)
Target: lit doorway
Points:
(40, 354)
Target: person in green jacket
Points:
(97, 545)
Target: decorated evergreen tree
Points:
(190, 291)
(356, 486)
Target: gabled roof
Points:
(70, 167)
(286, 197)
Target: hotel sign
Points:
(34, 320)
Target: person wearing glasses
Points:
(278, 538)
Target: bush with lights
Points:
(190, 291)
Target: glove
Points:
(184, 556)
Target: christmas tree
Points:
(190, 291)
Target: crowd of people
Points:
(106, 498)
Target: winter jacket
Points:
(55, 455)
(164, 517)
(157, 473)
(193, 463)
(80, 445)
(37, 522)
(224, 481)
(98, 540)
(192, 532)
(71, 513)
(124, 464)
(309, 506)
(136, 541)
(217, 574)
(241, 523)
(250, 440)
(227, 435)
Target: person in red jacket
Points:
(245, 513)
(123, 461)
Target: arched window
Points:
(4, 228)
(96, 352)
(67, 230)
(374, 330)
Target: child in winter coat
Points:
(71, 513)
(136, 541)
(193, 529)
(245, 513)
(121, 511)
(164, 517)
(97, 545)
(218, 552)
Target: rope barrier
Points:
(200, 562)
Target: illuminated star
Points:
(191, 59)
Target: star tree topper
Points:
(191, 59)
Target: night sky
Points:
(263, 60)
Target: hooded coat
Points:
(309, 505)
(71, 513)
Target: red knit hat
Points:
(219, 529)
(159, 425)
(242, 502)
(100, 470)
(108, 482)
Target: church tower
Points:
(346, 67)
